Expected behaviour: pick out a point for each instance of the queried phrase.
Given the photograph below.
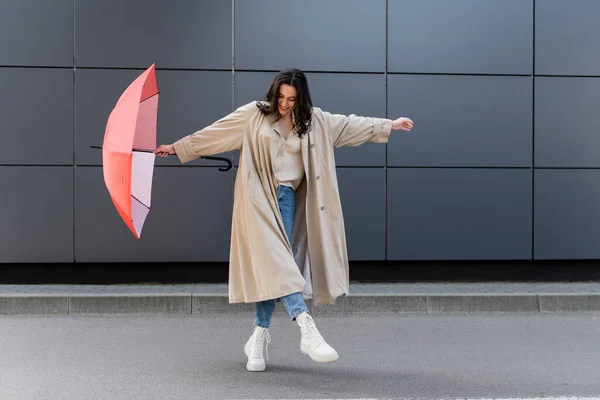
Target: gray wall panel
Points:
(566, 122)
(250, 86)
(192, 100)
(36, 116)
(190, 218)
(461, 36)
(36, 32)
(459, 184)
(362, 191)
(343, 35)
(36, 210)
(138, 33)
(467, 121)
(459, 214)
(346, 94)
(567, 220)
(566, 37)
(189, 101)
(337, 93)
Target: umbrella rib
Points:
(149, 97)
(138, 200)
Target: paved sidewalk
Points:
(383, 356)
(364, 298)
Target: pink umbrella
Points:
(128, 150)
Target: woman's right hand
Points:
(164, 150)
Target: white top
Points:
(288, 165)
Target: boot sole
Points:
(323, 360)
(255, 368)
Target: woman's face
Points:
(287, 99)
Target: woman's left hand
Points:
(402, 123)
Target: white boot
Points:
(312, 343)
(254, 349)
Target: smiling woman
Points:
(289, 96)
(288, 238)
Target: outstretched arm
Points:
(352, 130)
(223, 135)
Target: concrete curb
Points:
(117, 303)
(217, 304)
(37, 303)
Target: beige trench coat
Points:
(264, 264)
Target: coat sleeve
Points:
(352, 130)
(224, 135)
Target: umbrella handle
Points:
(229, 164)
(227, 168)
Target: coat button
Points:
(322, 208)
(312, 145)
(318, 177)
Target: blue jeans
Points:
(293, 303)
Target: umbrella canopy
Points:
(127, 150)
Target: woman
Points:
(288, 240)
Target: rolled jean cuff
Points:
(297, 312)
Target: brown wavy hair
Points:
(303, 107)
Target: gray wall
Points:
(503, 162)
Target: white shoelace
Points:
(257, 345)
(310, 329)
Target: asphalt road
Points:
(381, 356)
